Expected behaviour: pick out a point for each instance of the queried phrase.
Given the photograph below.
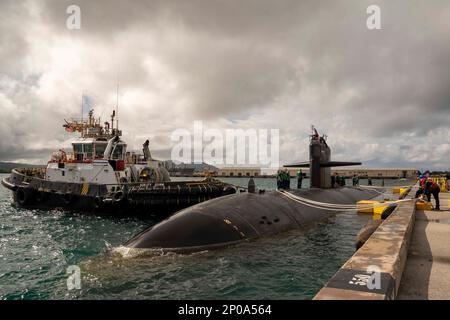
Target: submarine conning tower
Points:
(320, 161)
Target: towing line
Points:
(335, 206)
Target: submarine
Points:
(236, 218)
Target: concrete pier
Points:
(384, 252)
(426, 275)
(410, 249)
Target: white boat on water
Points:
(99, 175)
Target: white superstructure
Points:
(99, 156)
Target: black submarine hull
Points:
(232, 219)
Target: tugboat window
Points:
(100, 150)
(88, 150)
(117, 154)
(78, 148)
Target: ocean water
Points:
(37, 248)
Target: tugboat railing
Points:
(139, 184)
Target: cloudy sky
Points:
(382, 96)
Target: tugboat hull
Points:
(134, 199)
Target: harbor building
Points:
(239, 172)
(367, 172)
(387, 173)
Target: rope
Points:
(375, 189)
(334, 206)
(381, 187)
(323, 204)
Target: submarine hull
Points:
(232, 219)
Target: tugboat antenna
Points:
(117, 107)
(82, 105)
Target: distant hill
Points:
(6, 167)
(191, 167)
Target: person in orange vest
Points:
(422, 180)
(432, 188)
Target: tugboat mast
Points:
(117, 106)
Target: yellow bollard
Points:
(423, 205)
(365, 206)
(375, 208)
(378, 209)
(444, 185)
(376, 216)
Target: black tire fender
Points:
(23, 196)
(68, 198)
(40, 196)
(97, 202)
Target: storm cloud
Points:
(382, 96)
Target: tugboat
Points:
(100, 176)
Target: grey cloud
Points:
(282, 64)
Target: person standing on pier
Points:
(283, 179)
(432, 188)
(287, 179)
(342, 181)
(333, 180)
(299, 179)
(355, 180)
(421, 189)
(279, 180)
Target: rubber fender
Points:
(97, 201)
(24, 196)
(40, 196)
(68, 198)
(387, 212)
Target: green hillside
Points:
(6, 167)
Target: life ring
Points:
(23, 196)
